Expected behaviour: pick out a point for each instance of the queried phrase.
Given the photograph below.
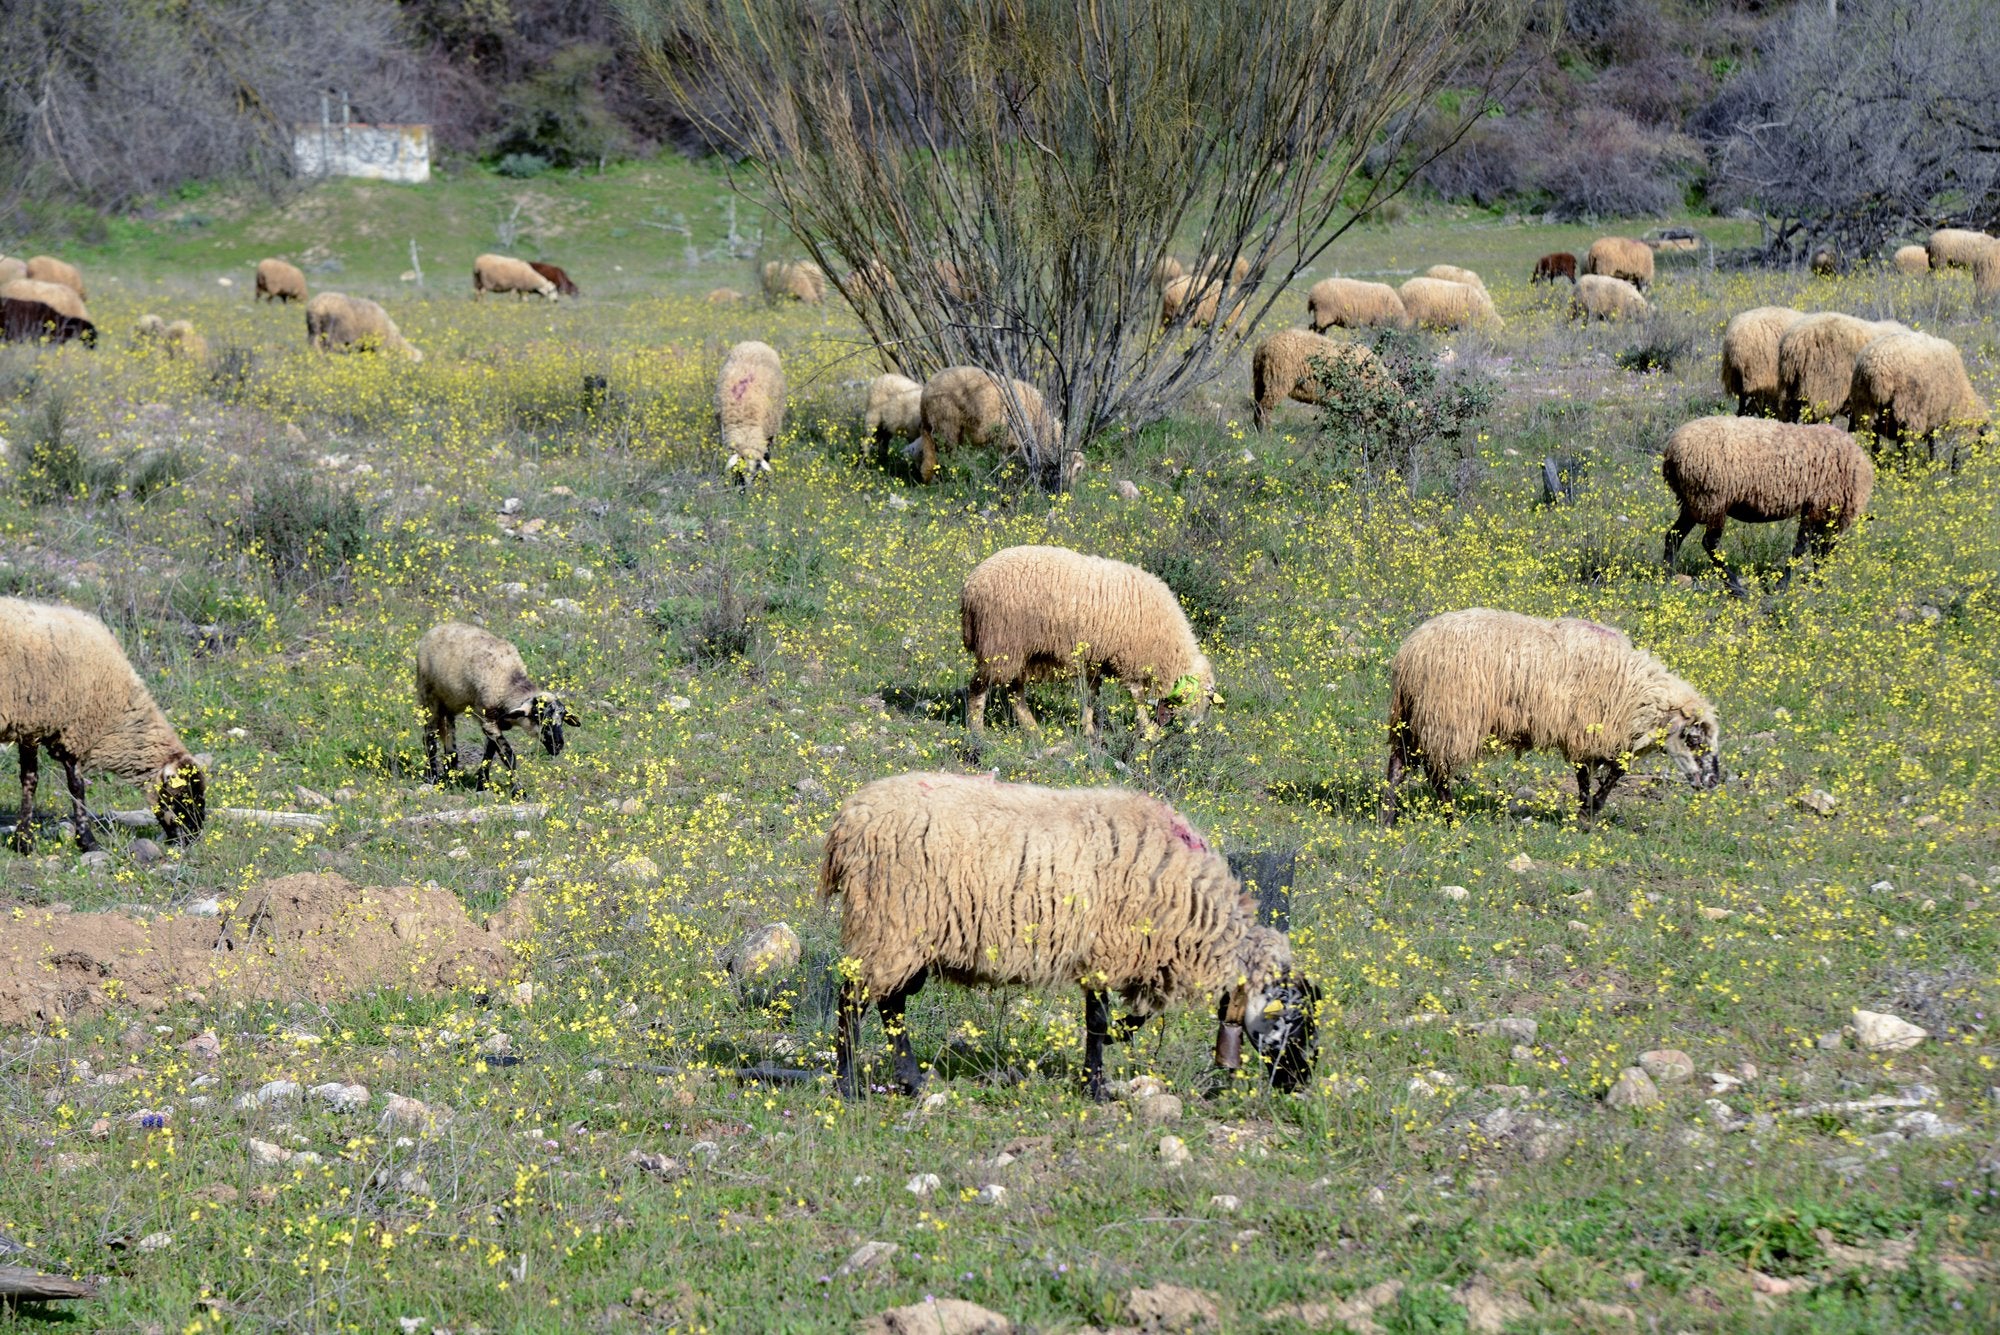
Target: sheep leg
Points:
(1709, 538)
(1676, 535)
(31, 763)
(79, 814)
(1096, 1032)
(909, 1075)
(1399, 759)
(1806, 530)
(1613, 772)
(1017, 698)
(440, 728)
(975, 705)
(1093, 681)
(853, 1005)
(1583, 788)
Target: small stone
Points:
(631, 806)
(1721, 1082)
(1226, 1204)
(1714, 914)
(399, 1111)
(1579, 926)
(341, 1098)
(567, 606)
(1667, 1066)
(1883, 887)
(413, 1182)
(637, 869)
(312, 799)
(1634, 1089)
(922, 1184)
(1925, 822)
(156, 1242)
(1722, 1116)
(867, 1255)
(1924, 1125)
(267, 1155)
(1830, 1042)
(992, 1194)
(1881, 1032)
(1158, 1109)
(205, 908)
(661, 1166)
(1457, 894)
(146, 852)
(934, 1102)
(96, 857)
(1144, 1086)
(1173, 1151)
(762, 953)
(511, 506)
(938, 1316)
(237, 734)
(810, 789)
(680, 704)
(1521, 1052)
(272, 1091)
(1520, 862)
(705, 1149)
(1126, 488)
(1171, 1307)
(1519, 1028)
(1818, 800)
(203, 1047)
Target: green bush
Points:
(54, 468)
(1416, 422)
(304, 529)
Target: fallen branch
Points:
(34, 1286)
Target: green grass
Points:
(1878, 681)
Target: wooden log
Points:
(21, 1283)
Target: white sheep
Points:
(461, 668)
(1600, 298)
(895, 409)
(750, 405)
(279, 281)
(336, 322)
(964, 405)
(504, 273)
(1750, 357)
(1816, 363)
(1621, 257)
(1353, 304)
(1912, 386)
(1003, 884)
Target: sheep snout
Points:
(183, 803)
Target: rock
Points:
(867, 1255)
(405, 1112)
(1667, 1066)
(762, 953)
(1578, 925)
(1722, 1116)
(1521, 1052)
(680, 704)
(1882, 1032)
(1126, 488)
(272, 1091)
(96, 857)
(1519, 1028)
(204, 1047)
(1168, 1307)
(1431, 1084)
(267, 1155)
(209, 907)
(636, 869)
(146, 852)
(938, 1316)
(1818, 800)
(1457, 894)
(1925, 1126)
(1144, 1086)
(992, 1194)
(511, 506)
(413, 1182)
(661, 1166)
(709, 1150)
(156, 1242)
(1714, 914)
(567, 606)
(341, 1098)
(1226, 1204)
(1353, 1313)
(1634, 1089)
(1520, 862)
(1598, 1315)
(1771, 1286)
(1721, 1082)
(1829, 1042)
(810, 789)
(1173, 1151)
(311, 799)
(922, 1184)
(1158, 1109)
(631, 806)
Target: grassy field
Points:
(741, 661)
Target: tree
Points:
(1018, 167)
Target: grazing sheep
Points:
(58, 297)
(1200, 299)
(279, 281)
(1556, 264)
(957, 285)
(1437, 303)
(1451, 273)
(871, 280)
(49, 269)
(1750, 357)
(1621, 257)
(339, 323)
(181, 341)
(895, 409)
(1825, 261)
(1004, 884)
(750, 405)
(1910, 386)
(794, 280)
(504, 273)
(565, 285)
(1282, 367)
(1757, 471)
(1600, 298)
(724, 296)
(11, 268)
(1912, 260)
(23, 321)
(65, 684)
(1166, 269)
(1948, 248)
(1570, 685)
(964, 405)
(1986, 276)
(1030, 613)
(1352, 304)
(460, 668)
(147, 330)
(1239, 268)
(1816, 363)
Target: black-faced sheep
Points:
(35, 322)
(1816, 363)
(1955, 247)
(1911, 260)
(504, 273)
(1438, 303)
(1030, 613)
(895, 409)
(1600, 298)
(964, 405)
(49, 269)
(460, 668)
(750, 405)
(58, 297)
(1350, 303)
(794, 280)
(1750, 357)
(279, 281)
(1000, 884)
(1910, 386)
(66, 685)
(1572, 686)
(1621, 257)
(336, 322)
(1283, 367)
(1758, 471)
(565, 285)
(1554, 265)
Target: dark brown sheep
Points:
(32, 322)
(553, 272)
(1556, 264)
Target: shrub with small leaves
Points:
(304, 529)
(1414, 422)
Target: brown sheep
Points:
(1621, 257)
(336, 322)
(279, 281)
(1750, 357)
(1986, 276)
(1031, 613)
(1556, 264)
(1282, 367)
(964, 405)
(11, 268)
(1912, 386)
(1350, 303)
(794, 280)
(1570, 685)
(1757, 471)
(1199, 299)
(49, 269)
(1816, 363)
(565, 285)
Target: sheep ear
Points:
(570, 720)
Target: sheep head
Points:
(183, 799)
(1191, 694)
(1694, 741)
(549, 715)
(1277, 1006)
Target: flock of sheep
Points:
(986, 883)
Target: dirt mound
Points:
(306, 938)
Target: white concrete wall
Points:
(378, 152)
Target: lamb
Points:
(337, 322)
(1283, 366)
(794, 280)
(1556, 264)
(1816, 363)
(1621, 257)
(1912, 260)
(1758, 471)
(58, 297)
(1750, 357)
(1353, 304)
(49, 269)
(279, 281)
(750, 405)
(1569, 685)
(1436, 303)
(65, 684)
(964, 405)
(11, 268)
(1003, 884)
(565, 285)
(895, 409)
(181, 341)
(24, 321)
(1947, 248)
(504, 273)
(1912, 386)
(1030, 613)
(1826, 261)
(1451, 273)
(462, 667)
(1600, 298)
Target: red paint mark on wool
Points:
(1185, 833)
(1602, 629)
(740, 388)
